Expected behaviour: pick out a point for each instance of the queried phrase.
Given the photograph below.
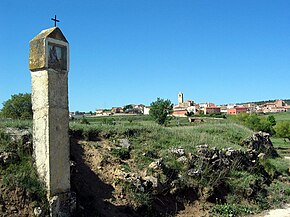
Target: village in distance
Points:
(186, 108)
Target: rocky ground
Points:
(96, 176)
(95, 173)
(93, 178)
(14, 200)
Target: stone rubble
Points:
(258, 147)
(7, 158)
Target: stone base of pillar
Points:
(62, 205)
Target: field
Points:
(150, 142)
(281, 116)
(138, 168)
(282, 146)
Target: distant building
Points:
(146, 110)
(280, 103)
(224, 109)
(117, 109)
(139, 107)
(99, 112)
(229, 106)
(192, 109)
(275, 109)
(183, 103)
(277, 106)
(287, 107)
(251, 107)
(205, 105)
(212, 110)
(179, 111)
(237, 110)
(188, 103)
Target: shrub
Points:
(277, 166)
(283, 129)
(279, 193)
(272, 120)
(231, 210)
(21, 173)
(255, 122)
(122, 153)
(24, 176)
(84, 121)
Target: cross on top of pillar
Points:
(55, 20)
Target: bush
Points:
(24, 176)
(21, 173)
(231, 210)
(279, 193)
(122, 153)
(255, 122)
(84, 121)
(283, 129)
(272, 120)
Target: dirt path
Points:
(284, 212)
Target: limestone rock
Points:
(158, 164)
(154, 181)
(192, 172)
(124, 143)
(261, 143)
(177, 151)
(182, 159)
(8, 157)
(37, 211)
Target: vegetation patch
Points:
(19, 182)
(157, 165)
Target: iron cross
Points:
(55, 20)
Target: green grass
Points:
(281, 116)
(20, 172)
(281, 145)
(279, 193)
(150, 141)
(231, 210)
(20, 124)
(276, 166)
(23, 175)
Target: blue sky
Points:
(133, 51)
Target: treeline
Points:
(266, 101)
(255, 122)
(266, 124)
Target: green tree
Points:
(253, 122)
(160, 109)
(272, 120)
(18, 107)
(283, 129)
(266, 126)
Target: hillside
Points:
(265, 101)
(157, 171)
(133, 167)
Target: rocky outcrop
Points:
(205, 163)
(260, 143)
(7, 158)
(21, 138)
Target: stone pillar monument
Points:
(49, 66)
